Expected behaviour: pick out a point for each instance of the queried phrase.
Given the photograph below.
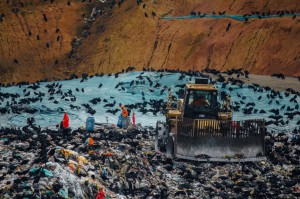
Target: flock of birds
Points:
(148, 95)
(30, 149)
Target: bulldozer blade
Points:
(211, 140)
(219, 149)
(222, 159)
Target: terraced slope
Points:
(53, 40)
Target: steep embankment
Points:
(36, 39)
(125, 36)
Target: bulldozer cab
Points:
(201, 104)
(203, 130)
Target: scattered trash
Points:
(124, 164)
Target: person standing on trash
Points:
(124, 111)
(64, 125)
(65, 122)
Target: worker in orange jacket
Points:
(124, 111)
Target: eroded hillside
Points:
(53, 40)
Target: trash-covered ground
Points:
(44, 163)
(39, 161)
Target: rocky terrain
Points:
(53, 39)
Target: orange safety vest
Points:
(124, 112)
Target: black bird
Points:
(146, 15)
(51, 152)
(16, 61)
(25, 161)
(45, 17)
(228, 26)
(15, 10)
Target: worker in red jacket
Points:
(65, 122)
(64, 125)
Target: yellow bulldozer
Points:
(201, 129)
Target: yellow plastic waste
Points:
(79, 169)
(91, 151)
(65, 152)
(72, 165)
(82, 159)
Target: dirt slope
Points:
(123, 36)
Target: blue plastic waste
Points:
(119, 124)
(90, 123)
(62, 193)
(122, 122)
(46, 172)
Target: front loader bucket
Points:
(223, 141)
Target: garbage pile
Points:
(121, 163)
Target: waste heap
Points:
(50, 163)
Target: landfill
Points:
(41, 159)
(55, 163)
